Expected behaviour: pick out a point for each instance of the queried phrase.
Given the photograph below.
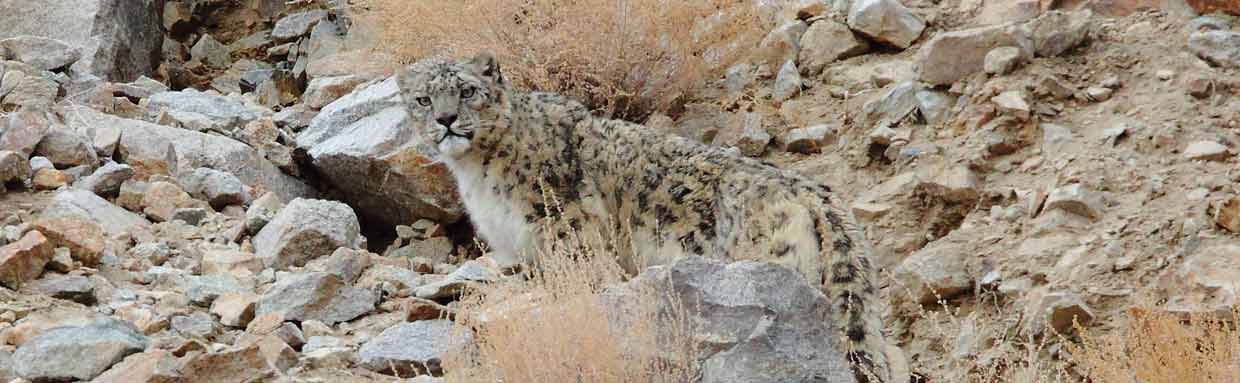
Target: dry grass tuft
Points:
(624, 58)
(1162, 347)
(553, 326)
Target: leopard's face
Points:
(451, 102)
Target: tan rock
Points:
(230, 365)
(1207, 151)
(131, 195)
(84, 239)
(1003, 11)
(1076, 199)
(49, 179)
(939, 271)
(155, 366)
(230, 262)
(234, 309)
(162, 199)
(40, 321)
(886, 21)
(747, 133)
(23, 261)
(953, 183)
(1058, 311)
(1228, 215)
(322, 91)
(417, 309)
(825, 42)
(313, 328)
(951, 56)
(1013, 103)
(810, 139)
(145, 319)
(277, 353)
(782, 44)
(1207, 282)
(265, 324)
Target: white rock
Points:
(1076, 199)
(951, 56)
(885, 21)
(787, 83)
(1207, 151)
(825, 42)
(1002, 60)
(1013, 103)
(307, 229)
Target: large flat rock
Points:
(363, 144)
(199, 150)
(118, 40)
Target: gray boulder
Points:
(228, 113)
(951, 56)
(14, 167)
(24, 129)
(810, 139)
(893, 106)
(81, 353)
(66, 148)
(106, 181)
(68, 287)
(218, 188)
(364, 145)
(192, 150)
(113, 219)
(261, 212)
(118, 40)
(204, 290)
(1220, 48)
(40, 52)
(886, 21)
(1057, 32)
(296, 25)
(762, 322)
(26, 89)
(307, 229)
(316, 296)
(412, 348)
(788, 83)
(938, 271)
(825, 42)
(472, 271)
(210, 51)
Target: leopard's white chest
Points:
(496, 218)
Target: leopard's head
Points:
(450, 102)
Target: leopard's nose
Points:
(446, 121)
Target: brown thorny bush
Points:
(1157, 346)
(556, 324)
(1150, 345)
(623, 58)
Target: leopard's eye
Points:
(424, 101)
(467, 92)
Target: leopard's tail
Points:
(850, 284)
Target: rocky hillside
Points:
(211, 190)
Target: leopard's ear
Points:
(487, 66)
(404, 78)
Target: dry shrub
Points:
(976, 338)
(1157, 346)
(554, 327)
(624, 58)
